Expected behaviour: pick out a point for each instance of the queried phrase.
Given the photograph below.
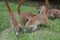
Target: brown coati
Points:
(13, 21)
(39, 19)
(54, 13)
(25, 15)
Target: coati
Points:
(54, 13)
(39, 19)
(25, 16)
(33, 22)
(13, 21)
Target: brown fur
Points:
(39, 19)
(42, 10)
(14, 22)
(54, 13)
(33, 22)
(25, 15)
(45, 9)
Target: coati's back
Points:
(39, 18)
(28, 15)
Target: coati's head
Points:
(42, 9)
(52, 13)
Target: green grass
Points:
(42, 33)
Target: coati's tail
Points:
(19, 5)
(47, 7)
(9, 9)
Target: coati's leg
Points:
(17, 30)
